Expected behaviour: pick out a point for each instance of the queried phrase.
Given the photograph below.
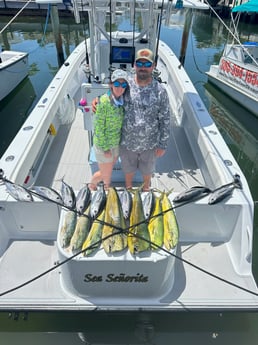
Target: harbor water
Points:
(240, 131)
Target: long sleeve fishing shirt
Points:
(107, 121)
(147, 117)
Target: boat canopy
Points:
(250, 6)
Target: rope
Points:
(6, 26)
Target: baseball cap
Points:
(146, 54)
(119, 74)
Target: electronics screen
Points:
(123, 54)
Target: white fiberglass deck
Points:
(26, 259)
(69, 159)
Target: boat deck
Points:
(25, 260)
(70, 155)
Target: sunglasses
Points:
(143, 64)
(117, 84)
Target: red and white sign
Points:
(239, 75)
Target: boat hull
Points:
(211, 267)
(247, 101)
(13, 69)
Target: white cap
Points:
(119, 74)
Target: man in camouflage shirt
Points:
(146, 126)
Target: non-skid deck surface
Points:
(24, 260)
(69, 159)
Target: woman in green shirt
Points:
(108, 120)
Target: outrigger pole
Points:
(159, 28)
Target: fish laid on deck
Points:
(156, 225)
(68, 195)
(171, 232)
(47, 193)
(18, 192)
(93, 240)
(68, 228)
(83, 199)
(81, 231)
(113, 234)
(98, 201)
(138, 237)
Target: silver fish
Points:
(126, 203)
(18, 192)
(83, 199)
(148, 204)
(47, 193)
(98, 201)
(68, 195)
(220, 194)
(192, 193)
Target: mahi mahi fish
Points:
(81, 231)
(93, 240)
(113, 235)
(68, 228)
(138, 237)
(156, 226)
(171, 232)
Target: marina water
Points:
(240, 131)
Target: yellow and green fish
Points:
(156, 226)
(171, 231)
(68, 228)
(93, 239)
(113, 239)
(138, 227)
(81, 231)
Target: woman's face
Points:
(118, 87)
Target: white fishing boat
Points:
(13, 69)
(209, 268)
(237, 72)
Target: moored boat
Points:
(237, 71)
(13, 69)
(208, 267)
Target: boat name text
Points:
(116, 278)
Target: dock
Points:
(11, 7)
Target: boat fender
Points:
(66, 110)
(52, 129)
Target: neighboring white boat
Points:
(13, 69)
(211, 266)
(237, 72)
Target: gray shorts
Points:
(101, 158)
(131, 161)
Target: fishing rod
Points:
(159, 29)
(87, 71)
(134, 11)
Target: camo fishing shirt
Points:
(108, 121)
(147, 117)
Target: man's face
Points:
(143, 69)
